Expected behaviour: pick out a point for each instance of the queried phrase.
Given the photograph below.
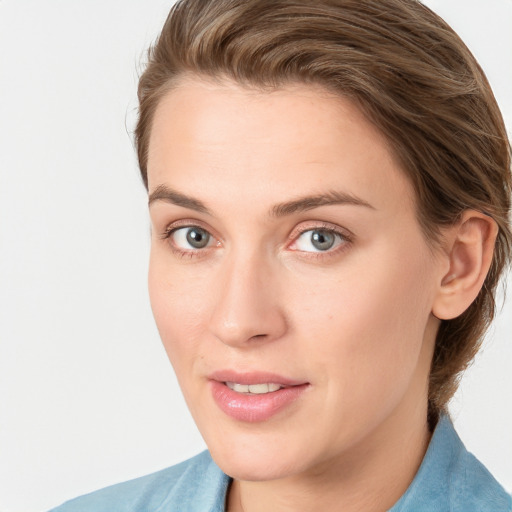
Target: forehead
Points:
(210, 135)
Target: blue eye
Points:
(318, 240)
(191, 237)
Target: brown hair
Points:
(408, 72)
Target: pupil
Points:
(197, 238)
(322, 240)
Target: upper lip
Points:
(254, 377)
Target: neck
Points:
(371, 476)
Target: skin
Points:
(354, 321)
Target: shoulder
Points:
(471, 485)
(453, 480)
(472, 480)
(197, 482)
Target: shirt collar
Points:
(451, 479)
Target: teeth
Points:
(239, 388)
(258, 389)
(255, 389)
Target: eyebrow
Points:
(164, 193)
(302, 204)
(306, 203)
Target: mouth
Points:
(254, 397)
(254, 389)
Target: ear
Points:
(469, 250)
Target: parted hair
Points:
(407, 71)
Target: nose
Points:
(247, 309)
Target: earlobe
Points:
(469, 251)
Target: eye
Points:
(318, 240)
(190, 237)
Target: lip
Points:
(253, 377)
(254, 408)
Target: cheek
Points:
(178, 304)
(366, 327)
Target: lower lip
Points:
(254, 408)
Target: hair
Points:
(407, 71)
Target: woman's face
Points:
(289, 278)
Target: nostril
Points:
(259, 336)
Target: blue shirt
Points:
(449, 479)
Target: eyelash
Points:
(182, 253)
(346, 240)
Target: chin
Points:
(257, 459)
(249, 469)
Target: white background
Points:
(87, 397)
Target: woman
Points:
(329, 189)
